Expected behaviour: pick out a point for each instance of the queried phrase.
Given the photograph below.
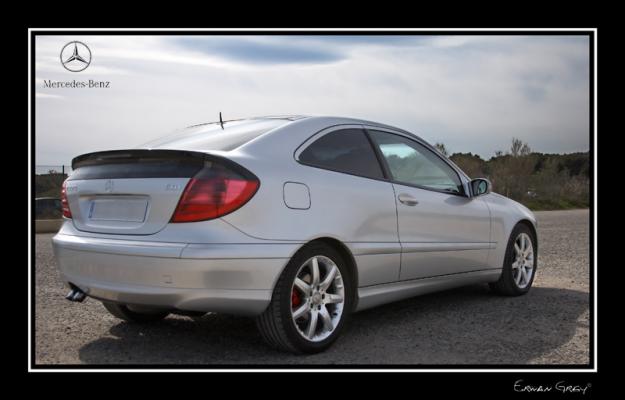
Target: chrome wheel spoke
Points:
(326, 319)
(524, 275)
(302, 286)
(312, 325)
(517, 278)
(517, 250)
(314, 268)
(327, 281)
(301, 311)
(333, 298)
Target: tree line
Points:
(540, 181)
(49, 185)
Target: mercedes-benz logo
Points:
(75, 56)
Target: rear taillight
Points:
(215, 191)
(64, 203)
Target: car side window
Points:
(345, 150)
(414, 164)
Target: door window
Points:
(414, 164)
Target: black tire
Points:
(276, 324)
(506, 285)
(122, 311)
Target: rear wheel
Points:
(520, 263)
(310, 302)
(134, 314)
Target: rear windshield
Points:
(212, 137)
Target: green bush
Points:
(537, 180)
(49, 185)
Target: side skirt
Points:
(372, 296)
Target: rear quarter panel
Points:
(348, 208)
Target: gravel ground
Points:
(550, 325)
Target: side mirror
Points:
(479, 187)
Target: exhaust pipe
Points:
(76, 295)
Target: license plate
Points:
(118, 209)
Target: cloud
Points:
(255, 50)
(474, 93)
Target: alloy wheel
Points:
(317, 298)
(523, 265)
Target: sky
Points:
(472, 93)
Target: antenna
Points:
(221, 121)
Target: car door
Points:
(441, 230)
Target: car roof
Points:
(357, 121)
(284, 117)
(331, 120)
(328, 121)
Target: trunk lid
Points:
(129, 192)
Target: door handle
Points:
(407, 199)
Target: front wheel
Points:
(310, 302)
(520, 263)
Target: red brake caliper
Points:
(295, 299)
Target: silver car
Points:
(297, 221)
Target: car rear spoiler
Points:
(145, 163)
(138, 163)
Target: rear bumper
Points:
(228, 278)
